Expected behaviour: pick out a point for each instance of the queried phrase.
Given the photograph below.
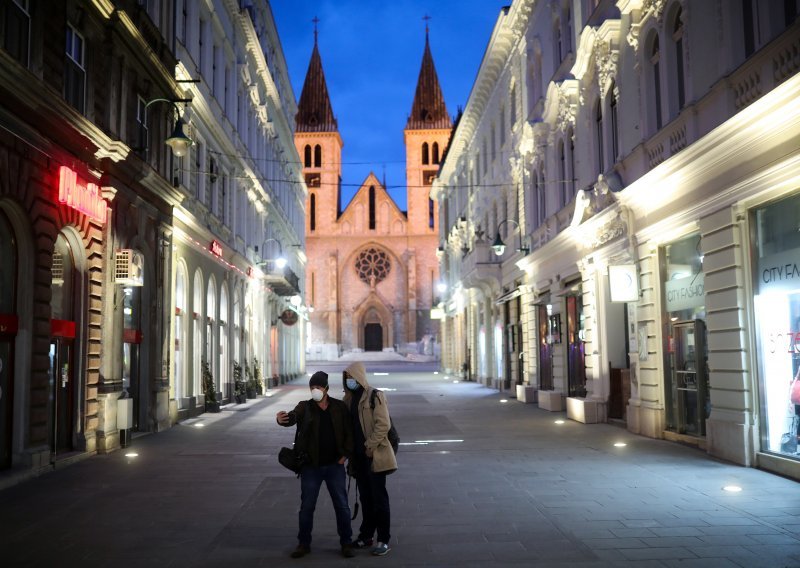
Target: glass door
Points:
(62, 387)
(688, 404)
(545, 349)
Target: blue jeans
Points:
(311, 479)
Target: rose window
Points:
(372, 263)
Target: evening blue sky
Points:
(371, 53)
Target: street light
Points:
(178, 141)
(499, 247)
(280, 262)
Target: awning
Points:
(508, 296)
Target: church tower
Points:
(427, 133)
(320, 147)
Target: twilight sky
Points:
(371, 53)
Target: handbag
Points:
(295, 458)
(794, 394)
(789, 439)
(392, 435)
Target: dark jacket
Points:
(342, 427)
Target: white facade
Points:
(243, 192)
(651, 137)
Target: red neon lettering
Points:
(86, 199)
(216, 248)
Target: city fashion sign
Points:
(84, 197)
(779, 271)
(685, 293)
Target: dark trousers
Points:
(311, 479)
(374, 502)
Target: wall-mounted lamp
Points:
(177, 141)
(280, 262)
(499, 247)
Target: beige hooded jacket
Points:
(374, 423)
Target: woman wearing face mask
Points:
(373, 458)
(328, 440)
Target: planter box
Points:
(551, 400)
(212, 406)
(526, 393)
(251, 393)
(585, 411)
(240, 398)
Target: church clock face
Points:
(373, 265)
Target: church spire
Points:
(428, 110)
(314, 111)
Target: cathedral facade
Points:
(372, 270)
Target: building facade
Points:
(101, 228)
(645, 153)
(372, 268)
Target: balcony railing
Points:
(283, 281)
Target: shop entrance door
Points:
(6, 398)
(545, 349)
(63, 385)
(130, 373)
(373, 337)
(688, 403)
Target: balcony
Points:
(480, 267)
(283, 281)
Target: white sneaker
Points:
(381, 549)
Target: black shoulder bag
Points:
(295, 458)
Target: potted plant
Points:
(250, 385)
(239, 387)
(209, 389)
(259, 386)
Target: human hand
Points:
(342, 460)
(282, 417)
(369, 453)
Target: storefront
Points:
(776, 266)
(8, 331)
(686, 389)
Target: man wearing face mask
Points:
(328, 441)
(373, 457)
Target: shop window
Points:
(576, 351)
(777, 312)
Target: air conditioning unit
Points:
(129, 268)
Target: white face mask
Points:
(317, 394)
(352, 384)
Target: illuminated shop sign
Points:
(215, 248)
(84, 198)
(685, 293)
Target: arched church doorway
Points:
(373, 337)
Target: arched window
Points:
(181, 305)
(677, 36)
(313, 212)
(598, 119)
(430, 213)
(748, 19)
(211, 313)
(541, 202)
(612, 95)
(435, 152)
(197, 329)
(571, 185)
(317, 156)
(557, 43)
(425, 159)
(562, 174)
(655, 61)
(372, 207)
(307, 156)
(224, 355)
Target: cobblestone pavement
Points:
(499, 483)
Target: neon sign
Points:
(83, 198)
(215, 248)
